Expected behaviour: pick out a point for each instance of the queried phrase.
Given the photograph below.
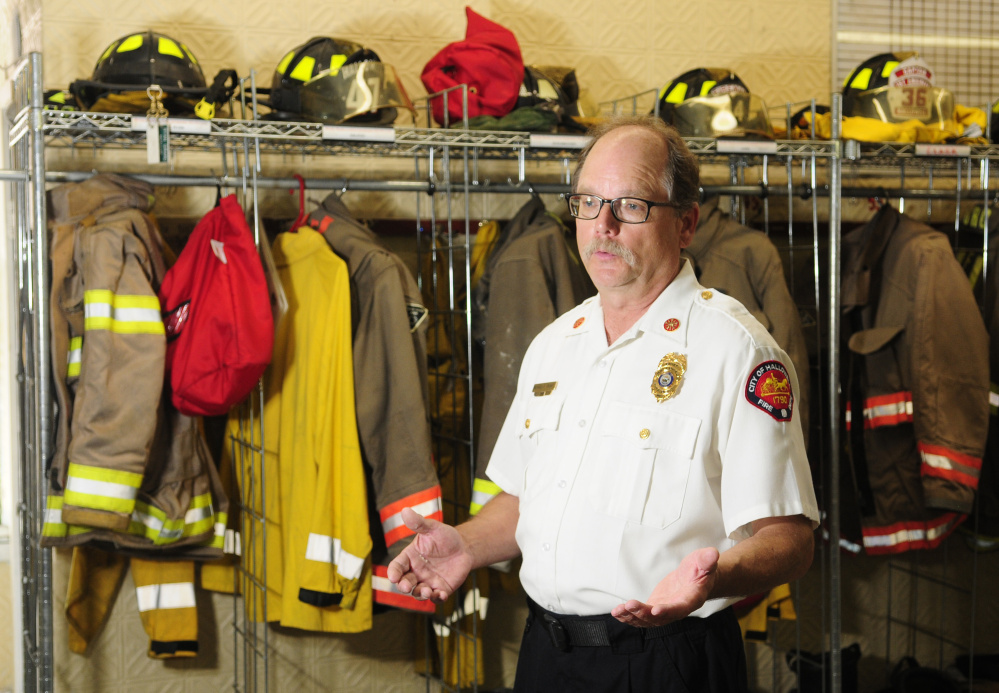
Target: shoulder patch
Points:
(769, 388)
(417, 314)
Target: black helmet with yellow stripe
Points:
(333, 80)
(133, 63)
(713, 102)
(896, 87)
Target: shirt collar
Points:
(667, 317)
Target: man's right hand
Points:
(435, 563)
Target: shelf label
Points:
(746, 147)
(157, 142)
(184, 126)
(559, 141)
(943, 150)
(358, 134)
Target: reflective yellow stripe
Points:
(336, 62)
(107, 52)
(283, 65)
(130, 44)
(707, 86)
(677, 94)
(74, 357)
(114, 476)
(889, 66)
(303, 71)
(122, 314)
(862, 80)
(101, 489)
(53, 526)
(168, 46)
(483, 491)
(189, 54)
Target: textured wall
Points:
(780, 48)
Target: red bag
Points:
(488, 61)
(217, 313)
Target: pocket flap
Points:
(869, 341)
(646, 428)
(542, 413)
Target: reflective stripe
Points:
(903, 536)
(426, 503)
(74, 357)
(152, 523)
(101, 489)
(52, 524)
(949, 464)
(174, 595)
(483, 491)
(122, 314)
(233, 543)
(884, 410)
(388, 593)
(993, 398)
(324, 549)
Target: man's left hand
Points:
(677, 596)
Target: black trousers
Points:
(694, 655)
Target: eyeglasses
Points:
(627, 210)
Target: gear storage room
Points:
(816, 125)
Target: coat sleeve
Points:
(121, 378)
(392, 416)
(950, 395)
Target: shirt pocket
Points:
(643, 467)
(538, 431)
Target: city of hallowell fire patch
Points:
(769, 389)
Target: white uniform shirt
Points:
(615, 487)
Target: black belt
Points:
(604, 630)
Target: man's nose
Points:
(606, 222)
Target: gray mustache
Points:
(606, 245)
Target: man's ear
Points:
(688, 225)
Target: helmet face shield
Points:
(930, 105)
(366, 92)
(736, 114)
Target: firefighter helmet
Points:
(894, 88)
(713, 102)
(333, 80)
(134, 62)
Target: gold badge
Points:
(544, 389)
(666, 381)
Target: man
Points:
(652, 462)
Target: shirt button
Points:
(527, 423)
(644, 433)
(582, 423)
(561, 484)
(546, 546)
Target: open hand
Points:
(677, 596)
(434, 564)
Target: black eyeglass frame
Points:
(650, 203)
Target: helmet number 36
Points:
(910, 102)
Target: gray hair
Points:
(680, 174)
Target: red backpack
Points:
(217, 313)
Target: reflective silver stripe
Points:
(943, 462)
(75, 356)
(319, 548)
(480, 498)
(106, 489)
(426, 508)
(347, 564)
(175, 595)
(905, 536)
(52, 516)
(994, 398)
(97, 310)
(324, 549)
(137, 315)
(233, 543)
(892, 409)
(198, 514)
